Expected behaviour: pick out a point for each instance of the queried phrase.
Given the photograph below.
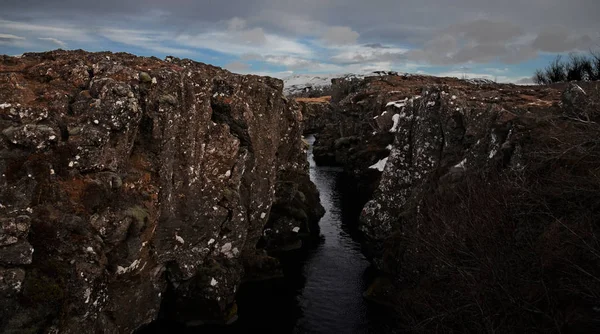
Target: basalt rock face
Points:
(128, 180)
(488, 202)
(355, 134)
(484, 215)
(316, 113)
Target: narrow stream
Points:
(331, 300)
(323, 284)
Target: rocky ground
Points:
(482, 215)
(130, 182)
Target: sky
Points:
(503, 40)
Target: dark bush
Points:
(577, 67)
(510, 251)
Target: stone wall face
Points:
(125, 179)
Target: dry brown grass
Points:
(509, 251)
(321, 99)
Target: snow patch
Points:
(226, 248)
(461, 164)
(396, 119)
(380, 165)
(580, 89)
(296, 229)
(87, 294)
(179, 239)
(398, 104)
(5, 105)
(213, 282)
(133, 266)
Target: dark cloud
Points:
(561, 39)
(376, 46)
(342, 32)
(340, 36)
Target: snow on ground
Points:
(396, 119)
(299, 82)
(380, 165)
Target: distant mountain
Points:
(302, 84)
(318, 84)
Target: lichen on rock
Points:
(128, 181)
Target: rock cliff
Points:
(128, 183)
(485, 215)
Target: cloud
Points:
(477, 41)
(362, 53)
(10, 38)
(253, 36)
(54, 41)
(560, 39)
(485, 31)
(243, 43)
(144, 39)
(340, 35)
(237, 67)
(236, 24)
(288, 61)
(312, 35)
(55, 30)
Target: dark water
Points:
(331, 300)
(324, 282)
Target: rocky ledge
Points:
(128, 183)
(485, 214)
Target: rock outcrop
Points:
(485, 216)
(130, 182)
(316, 113)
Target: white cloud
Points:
(244, 42)
(62, 32)
(289, 61)
(8, 37)
(236, 24)
(12, 40)
(353, 54)
(144, 39)
(54, 41)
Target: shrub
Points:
(577, 67)
(510, 250)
